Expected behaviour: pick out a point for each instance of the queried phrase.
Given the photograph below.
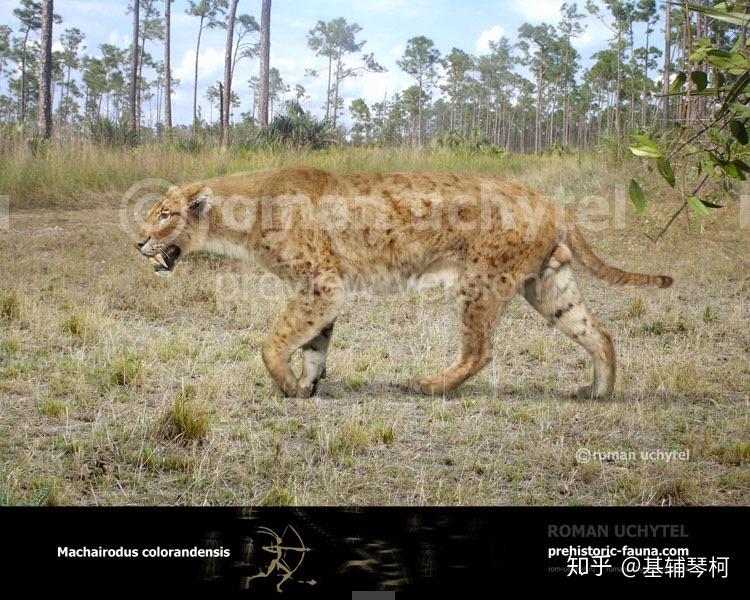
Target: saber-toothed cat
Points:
(329, 234)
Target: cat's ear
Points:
(199, 198)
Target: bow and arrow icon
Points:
(279, 563)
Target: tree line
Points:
(527, 96)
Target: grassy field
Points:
(118, 387)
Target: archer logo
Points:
(283, 551)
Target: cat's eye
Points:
(164, 215)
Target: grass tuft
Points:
(278, 495)
(733, 454)
(78, 326)
(52, 407)
(708, 316)
(675, 492)
(508, 436)
(10, 307)
(354, 437)
(187, 419)
(126, 371)
(637, 307)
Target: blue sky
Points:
(386, 25)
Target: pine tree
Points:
(265, 51)
(420, 60)
(44, 108)
(208, 13)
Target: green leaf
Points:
(733, 17)
(644, 152)
(737, 88)
(700, 79)
(678, 82)
(720, 81)
(665, 170)
(637, 197)
(646, 147)
(727, 61)
(740, 111)
(733, 171)
(697, 206)
(643, 139)
(706, 92)
(738, 131)
(708, 167)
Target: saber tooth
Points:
(161, 261)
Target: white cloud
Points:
(596, 33)
(493, 34)
(538, 11)
(395, 8)
(398, 51)
(85, 8)
(210, 64)
(292, 22)
(373, 87)
(116, 38)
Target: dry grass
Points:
(84, 175)
(187, 418)
(117, 387)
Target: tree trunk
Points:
(134, 70)
(687, 43)
(221, 103)
(336, 89)
(644, 100)
(159, 103)
(236, 55)
(167, 67)
(510, 131)
(633, 64)
(67, 98)
(23, 76)
(667, 49)
(328, 88)
(195, 82)
(453, 106)
(419, 116)
(538, 114)
(551, 132)
(227, 76)
(265, 52)
(44, 107)
(141, 51)
(498, 120)
(619, 80)
(699, 35)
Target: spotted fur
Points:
(333, 234)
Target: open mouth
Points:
(164, 261)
